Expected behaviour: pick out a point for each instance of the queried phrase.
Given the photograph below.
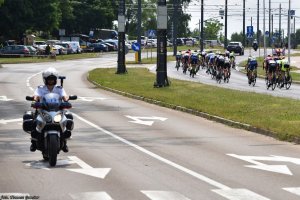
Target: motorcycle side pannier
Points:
(28, 121)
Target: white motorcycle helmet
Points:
(50, 73)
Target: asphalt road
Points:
(125, 149)
(238, 80)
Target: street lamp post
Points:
(289, 32)
(202, 31)
(264, 27)
(225, 39)
(161, 64)
(121, 38)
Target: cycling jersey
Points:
(252, 64)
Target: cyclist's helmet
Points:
(48, 74)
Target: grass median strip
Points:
(277, 115)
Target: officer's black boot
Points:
(65, 147)
(33, 146)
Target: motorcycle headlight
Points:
(47, 117)
(57, 118)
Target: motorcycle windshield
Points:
(51, 102)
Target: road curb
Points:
(215, 118)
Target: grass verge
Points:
(278, 116)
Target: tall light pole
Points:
(139, 27)
(244, 18)
(225, 39)
(161, 64)
(269, 23)
(257, 32)
(264, 27)
(289, 32)
(202, 31)
(121, 38)
(175, 25)
(280, 31)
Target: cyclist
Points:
(186, 61)
(232, 59)
(284, 67)
(194, 63)
(251, 68)
(178, 59)
(226, 70)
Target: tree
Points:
(212, 29)
(21, 16)
(237, 37)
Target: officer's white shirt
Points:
(43, 90)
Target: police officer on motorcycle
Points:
(50, 77)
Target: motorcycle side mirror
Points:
(29, 98)
(73, 97)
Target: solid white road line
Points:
(232, 194)
(239, 194)
(227, 190)
(91, 196)
(294, 190)
(164, 195)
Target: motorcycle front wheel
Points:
(52, 149)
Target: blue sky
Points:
(235, 13)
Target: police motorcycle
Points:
(52, 122)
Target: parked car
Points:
(98, 47)
(59, 50)
(75, 46)
(36, 44)
(32, 50)
(67, 46)
(15, 49)
(113, 42)
(180, 42)
(152, 43)
(236, 47)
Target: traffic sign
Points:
(135, 46)
(151, 33)
(250, 31)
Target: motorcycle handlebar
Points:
(29, 98)
(72, 97)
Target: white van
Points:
(75, 46)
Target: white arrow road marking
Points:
(139, 120)
(4, 98)
(283, 169)
(294, 190)
(164, 195)
(170, 163)
(91, 196)
(3, 121)
(239, 194)
(88, 170)
(45, 165)
(90, 98)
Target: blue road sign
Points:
(250, 31)
(151, 33)
(135, 46)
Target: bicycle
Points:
(271, 82)
(285, 81)
(177, 64)
(252, 74)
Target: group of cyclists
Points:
(277, 70)
(218, 65)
